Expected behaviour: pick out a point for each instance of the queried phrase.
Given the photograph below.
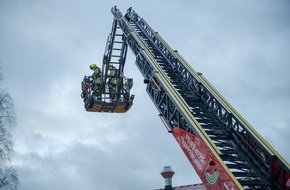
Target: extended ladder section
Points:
(115, 53)
(113, 67)
(226, 152)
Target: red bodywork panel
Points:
(213, 175)
(281, 177)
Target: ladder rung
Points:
(243, 174)
(238, 166)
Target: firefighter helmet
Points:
(93, 66)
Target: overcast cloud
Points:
(46, 47)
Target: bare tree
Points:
(8, 176)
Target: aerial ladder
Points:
(223, 148)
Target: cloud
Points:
(46, 47)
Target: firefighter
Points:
(96, 80)
(113, 81)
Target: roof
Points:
(188, 187)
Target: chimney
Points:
(167, 173)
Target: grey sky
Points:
(242, 48)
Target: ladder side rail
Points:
(262, 152)
(120, 74)
(123, 55)
(116, 46)
(108, 52)
(207, 140)
(173, 97)
(217, 109)
(215, 105)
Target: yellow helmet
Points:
(93, 66)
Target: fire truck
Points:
(223, 148)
